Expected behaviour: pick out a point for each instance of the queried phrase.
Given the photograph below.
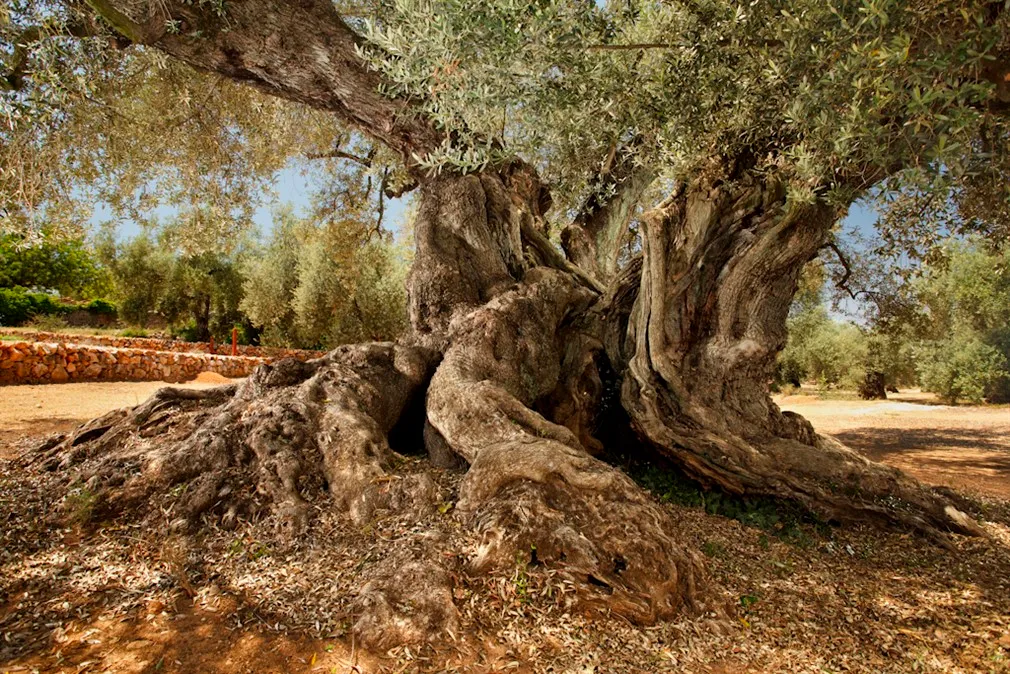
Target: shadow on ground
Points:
(973, 459)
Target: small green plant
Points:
(250, 549)
(779, 518)
(178, 490)
(133, 332)
(713, 549)
(80, 505)
(520, 579)
(747, 601)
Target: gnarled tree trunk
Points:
(721, 263)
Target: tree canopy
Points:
(832, 97)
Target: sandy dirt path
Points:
(958, 446)
(964, 447)
(56, 408)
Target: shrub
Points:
(46, 305)
(15, 306)
(960, 368)
(101, 307)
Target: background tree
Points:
(955, 309)
(313, 287)
(732, 136)
(140, 272)
(203, 293)
(67, 266)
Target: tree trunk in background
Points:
(873, 386)
(202, 318)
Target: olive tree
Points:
(729, 137)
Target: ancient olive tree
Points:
(614, 203)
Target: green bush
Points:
(18, 306)
(15, 306)
(47, 305)
(960, 368)
(101, 307)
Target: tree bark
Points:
(595, 238)
(721, 261)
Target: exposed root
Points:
(273, 445)
(533, 493)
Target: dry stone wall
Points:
(151, 344)
(51, 362)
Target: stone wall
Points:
(50, 362)
(161, 344)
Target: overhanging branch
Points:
(18, 63)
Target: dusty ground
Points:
(43, 409)
(807, 598)
(960, 446)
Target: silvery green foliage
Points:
(837, 95)
(834, 96)
(89, 120)
(319, 287)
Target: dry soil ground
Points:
(43, 409)
(808, 599)
(960, 446)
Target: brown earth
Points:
(808, 598)
(38, 410)
(964, 447)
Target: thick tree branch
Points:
(594, 239)
(550, 257)
(141, 33)
(302, 51)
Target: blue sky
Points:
(291, 186)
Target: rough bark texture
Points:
(532, 487)
(290, 430)
(594, 240)
(721, 263)
(301, 50)
(873, 386)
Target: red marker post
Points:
(234, 341)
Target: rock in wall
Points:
(161, 344)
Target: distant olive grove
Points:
(305, 286)
(945, 328)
